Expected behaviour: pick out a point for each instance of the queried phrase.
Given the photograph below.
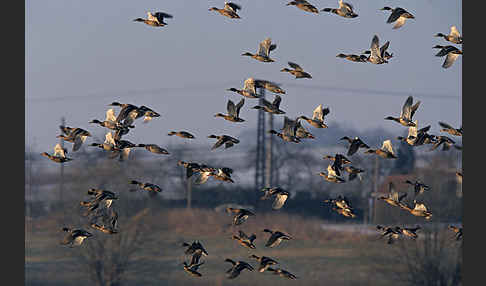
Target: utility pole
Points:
(372, 212)
(260, 157)
(61, 181)
(189, 192)
(269, 154)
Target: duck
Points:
(419, 187)
(229, 10)
(445, 141)
(409, 232)
(101, 195)
(419, 210)
(75, 236)
(227, 140)
(451, 53)
(318, 115)
(393, 233)
(386, 151)
(237, 267)
(412, 137)
(149, 187)
(331, 175)
(265, 262)
(128, 113)
(233, 111)
(245, 240)
(337, 165)
(354, 144)
(110, 122)
(195, 247)
(454, 36)
(268, 85)
(398, 15)
(182, 134)
(449, 129)
(155, 19)
(353, 57)
(192, 269)
(341, 157)
(280, 195)
(301, 132)
(249, 89)
(147, 113)
(276, 237)
(393, 198)
(108, 145)
(340, 202)
(407, 113)
(344, 10)
(304, 5)
(282, 273)
(59, 155)
(383, 51)
(240, 215)
(74, 135)
(154, 148)
(296, 70)
(191, 167)
(376, 56)
(220, 174)
(288, 133)
(353, 172)
(270, 107)
(264, 49)
(457, 231)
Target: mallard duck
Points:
(344, 10)
(406, 115)
(301, 132)
(276, 237)
(419, 210)
(398, 15)
(340, 202)
(236, 268)
(103, 228)
(154, 148)
(353, 58)
(376, 56)
(280, 194)
(223, 174)
(149, 187)
(282, 273)
(268, 85)
(384, 54)
(128, 113)
(240, 215)
(249, 89)
(265, 262)
(229, 10)
(270, 107)
(318, 115)
(205, 172)
(245, 240)
(108, 145)
(337, 165)
(192, 269)
(453, 37)
(418, 187)
(445, 141)
(331, 175)
(147, 113)
(155, 19)
(304, 5)
(297, 71)
(264, 49)
(386, 151)
(182, 134)
(59, 155)
(343, 159)
(353, 172)
(227, 140)
(449, 129)
(392, 233)
(102, 195)
(74, 135)
(354, 144)
(75, 236)
(457, 231)
(288, 133)
(110, 122)
(451, 53)
(409, 232)
(233, 111)
(393, 197)
(412, 136)
(194, 247)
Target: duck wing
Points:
(280, 200)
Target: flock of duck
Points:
(103, 217)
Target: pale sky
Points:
(83, 55)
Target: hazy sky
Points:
(83, 55)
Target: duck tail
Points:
(171, 133)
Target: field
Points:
(315, 255)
